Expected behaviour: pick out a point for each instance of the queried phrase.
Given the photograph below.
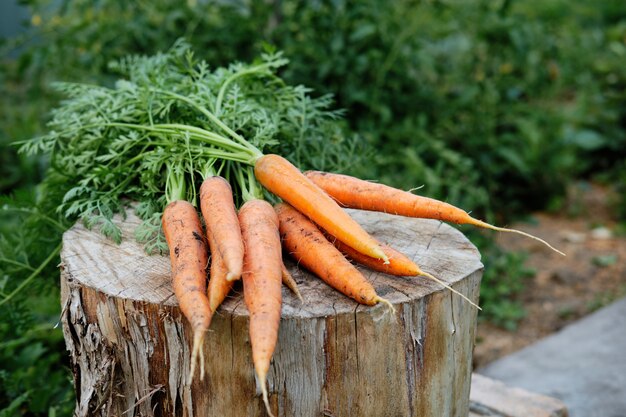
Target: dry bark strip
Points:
(129, 343)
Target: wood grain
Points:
(130, 344)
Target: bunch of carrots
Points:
(172, 123)
(311, 226)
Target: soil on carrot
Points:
(564, 289)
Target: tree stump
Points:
(130, 345)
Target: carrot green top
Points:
(168, 121)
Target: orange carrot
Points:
(188, 256)
(262, 283)
(356, 193)
(219, 286)
(291, 283)
(399, 264)
(306, 243)
(286, 181)
(220, 217)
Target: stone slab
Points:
(584, 365)
(491, 398)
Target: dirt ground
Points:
(564, 289)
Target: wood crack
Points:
(434, 235)
(356, 344)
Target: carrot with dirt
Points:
(356, 193)
(307, 244)
(399, 264)
(189, 258)
(262, 281)
(222, 224)
(286, 181)
(219, 286)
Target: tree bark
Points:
(130, 345)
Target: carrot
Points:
(262, 283)
(286, 181)
(291, 283)
(356, 193)
(306, 243)
(188, 256)
(219, 286)
(220, 217)
(399, 264)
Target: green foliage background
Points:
(491, 105)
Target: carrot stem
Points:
(214, 119)
(220, 95)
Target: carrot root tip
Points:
(266, 398)
(380, 254)
(390, 308)
(481, 223)
(440, 282)
(296, 291)
(201, 363)
(230, 277)
(196, 350)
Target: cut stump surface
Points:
(129, 343)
